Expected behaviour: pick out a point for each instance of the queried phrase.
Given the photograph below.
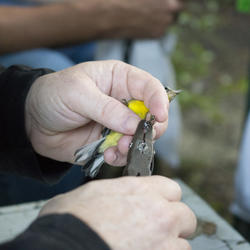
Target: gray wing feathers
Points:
(93, 168)
(88, 157)
(85, 153)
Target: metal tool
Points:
(141, 152)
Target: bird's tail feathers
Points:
(84, 154)
(92, 167)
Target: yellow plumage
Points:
(91, 156)
(113, 137)
(138, 107)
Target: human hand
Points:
(132, 19)
(147, 18)
(66, 109)
(74, 21)
(136, 213)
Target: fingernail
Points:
(154, 133)
(114, 157)
(131, 124)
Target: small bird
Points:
(91, 156)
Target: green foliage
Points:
(210, 62)
(243, 6)
(194, 63)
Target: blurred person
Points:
(240, 207)
(48, 25)
(46, 116)
(53, 24)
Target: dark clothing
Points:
(17, 156)
(57, 232)
(16, 153)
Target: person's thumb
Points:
(112, 113)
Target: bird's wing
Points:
(85, 153)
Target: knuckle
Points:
(178, 212)
(164, 218)
(188, 211)
(168, 215)
(176, 189)
(172, 186)
(107, 108)
(187, 214)
(170, 220)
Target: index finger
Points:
(140, 85)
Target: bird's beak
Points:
(172, 93)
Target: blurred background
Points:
(211, 63)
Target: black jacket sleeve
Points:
(16, 153)
(53, 232)
(57, 232)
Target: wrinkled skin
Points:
(68, 109)
(136, 213)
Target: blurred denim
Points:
(56, 59)
(37, 58)
(17, 189)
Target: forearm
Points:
(50, 25)
(78, 21)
